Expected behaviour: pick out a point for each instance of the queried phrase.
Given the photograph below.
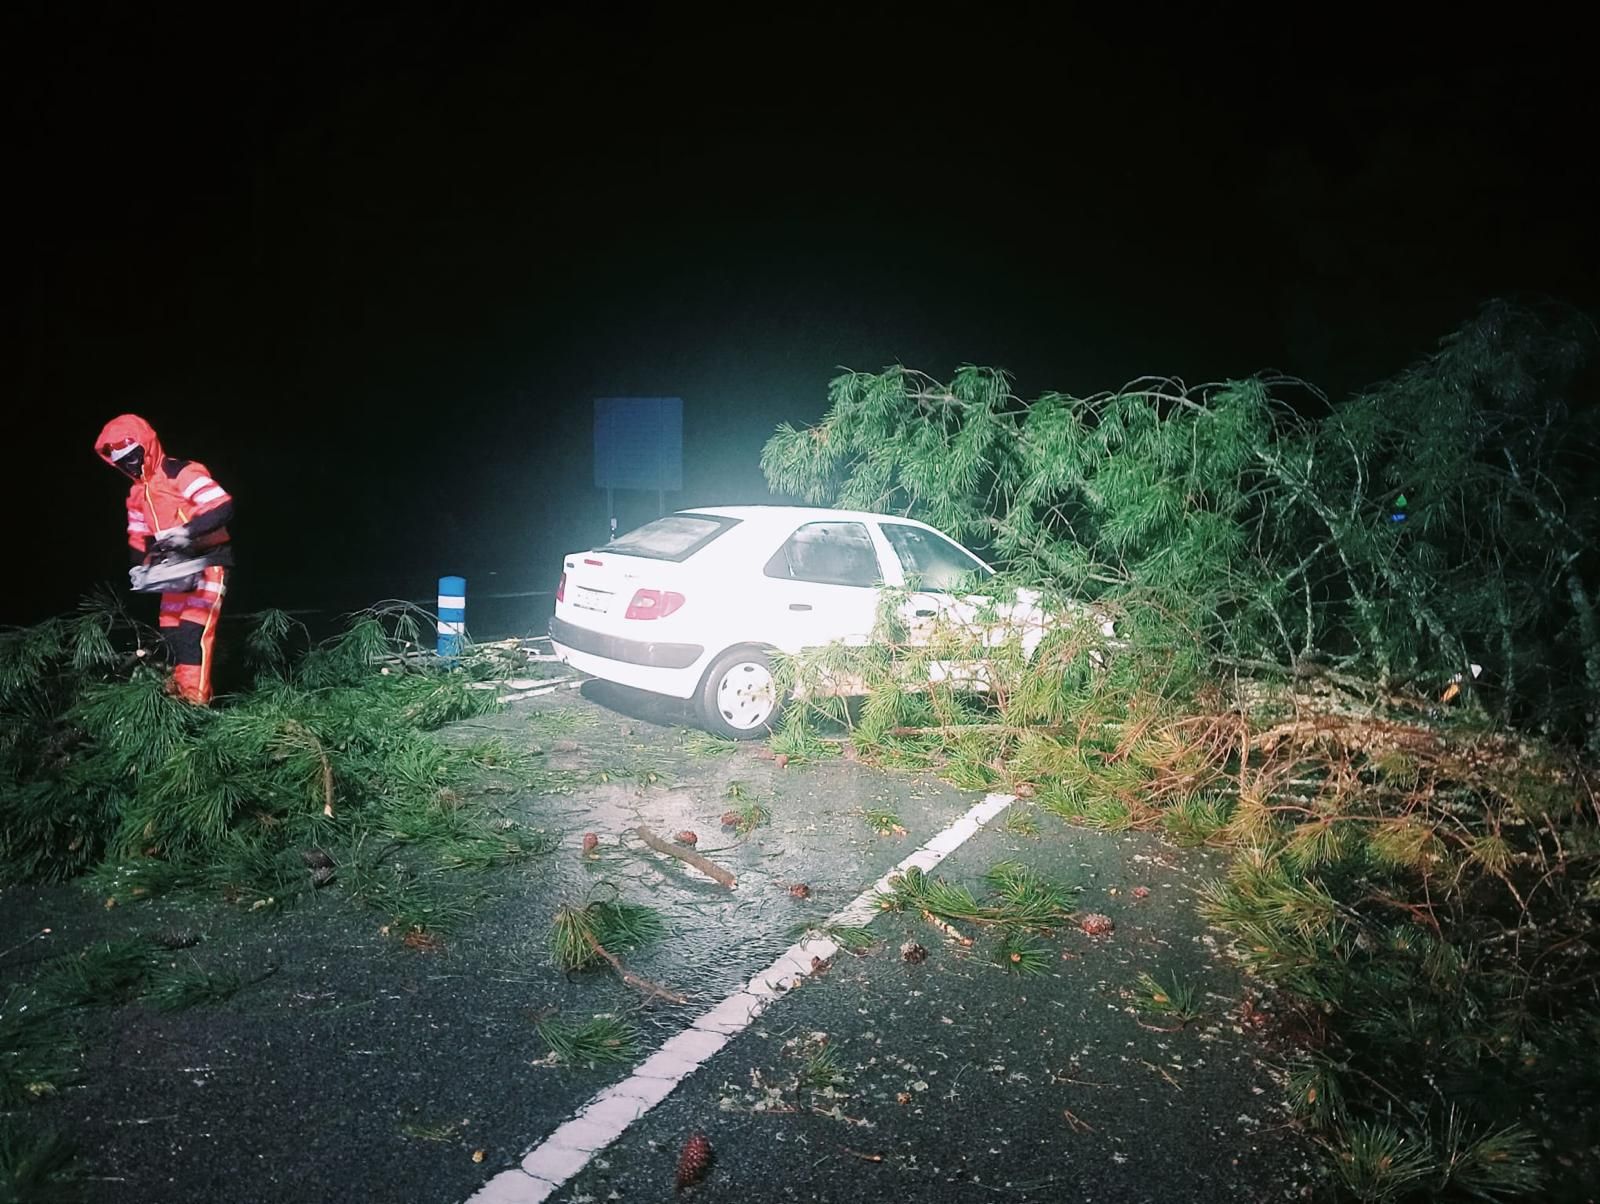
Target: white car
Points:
(691, 604)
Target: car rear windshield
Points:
(672, 537)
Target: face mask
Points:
(130, 461)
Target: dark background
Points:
(371, 268)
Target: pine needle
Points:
(175, 988)
(593, 1042)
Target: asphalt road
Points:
(358, 1069)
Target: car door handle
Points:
(799, 606)
(924, 614)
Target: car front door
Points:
(934, 570)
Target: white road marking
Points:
(608, 1114)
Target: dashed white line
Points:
(608, 1114)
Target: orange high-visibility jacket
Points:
(169, 492)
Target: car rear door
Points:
(821, 584)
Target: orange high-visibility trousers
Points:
(189, 625)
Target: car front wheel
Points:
(739, 698)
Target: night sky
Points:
(372, 269)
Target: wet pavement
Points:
(359, 1069)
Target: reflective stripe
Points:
(211, 495)
(452, 628)
(214, 587)
(139, 525)
(451, 602)
(196, 485)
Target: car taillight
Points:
(561, 589)
(653, 604)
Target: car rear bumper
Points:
(649, 653)
(663, 668)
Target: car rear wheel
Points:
(739, 698)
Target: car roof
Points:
(793, 514)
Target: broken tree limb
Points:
(950, 930)
(706, 866)
(637, 982)
(956, 729)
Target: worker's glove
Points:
(175, 540)
(136, 577)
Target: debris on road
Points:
(707, 867)
(950, 930)
(913, 952)
(579, 936)
(1096, 924)
(694, 1161)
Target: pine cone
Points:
(176, 938)
(800, 890)
(913, 952)
(687, 837)
(590, 842)
(316, 859)
(1096, 924)
(321, 876)
(731, 819)
(694, 1160)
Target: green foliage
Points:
(1220, 519)
(885, 821)
(1018, 898)
(35, 1049)
(1417, 884)
(749, 816)
(820, 1069)
(592, 1042)
(104, 974)
(850, 937)
(1020, 821)
(1022, 954)
(798, 740)
(1174, 998)
(699, 743)
(36, 1166)
(174, 988)
(1027, 898)
(579, 934)
(333, 749)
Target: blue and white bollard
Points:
(452, 615)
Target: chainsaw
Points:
(168, 576)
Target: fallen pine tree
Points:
(325, 770)
(1304, 607)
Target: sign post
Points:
(638, 444)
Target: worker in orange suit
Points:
(177, 531)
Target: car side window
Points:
(827, 553)
(931, 561)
